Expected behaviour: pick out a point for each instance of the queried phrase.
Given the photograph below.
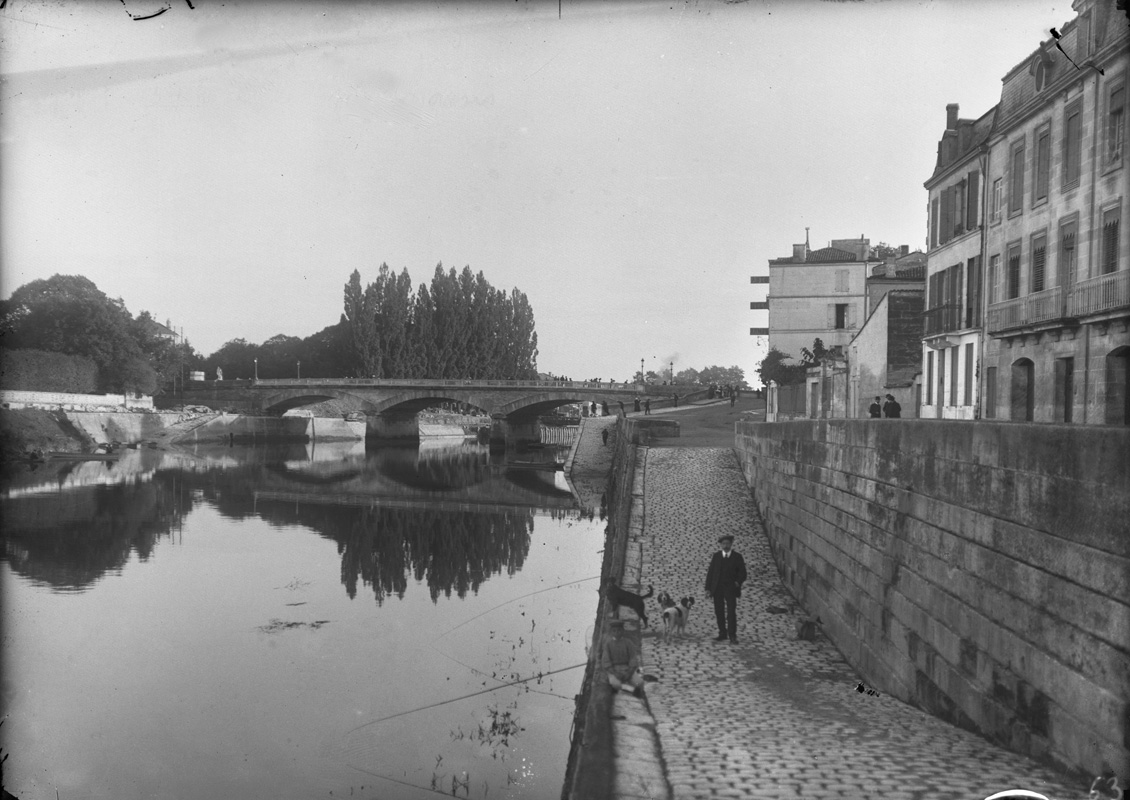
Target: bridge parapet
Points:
(466, 383)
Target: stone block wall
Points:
(975, 569)
(20, 399)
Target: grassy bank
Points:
(30, 430)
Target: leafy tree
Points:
(169, 358)
(817, 355)
(236, 358)
(774, 368)
(69, 314)
(458, 326)
(361, 314)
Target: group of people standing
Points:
(890, 409)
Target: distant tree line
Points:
(459, 326)
(707, 376)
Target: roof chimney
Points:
(904, 250)
(951, 117)
(800, 252)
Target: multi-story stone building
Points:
(951, 343)
(818, 294)
(1055, 242)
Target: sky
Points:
(627, 165)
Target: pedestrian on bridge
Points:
(637, 405)
(604, 408)
(724, 581)
(647, 406)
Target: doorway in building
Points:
(1117, 392)
(1022, 393)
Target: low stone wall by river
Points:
(975, 569)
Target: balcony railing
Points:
(1104, 293)
(1036, 308)
(942, 319)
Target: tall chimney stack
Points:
(951, 117)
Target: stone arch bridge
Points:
(390, 405)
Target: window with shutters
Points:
(994, 276)
(956, 351)
(841, 280)
(946, 232)
(1043, 165)
(942, 377)
(995, 200)
(1110, 241)
(1072, 146)
(959, 208)
(1016, 179)
(930, 378)
(1039, 256)
(967, 400)
(934, 206)
(1115, 125)
(973, 292)
(1065, 269)
(841, 316)
(1012, 285)
(972, 195)
(991, 393)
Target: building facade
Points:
(952, 332)
(818, 294)
(1056, 256)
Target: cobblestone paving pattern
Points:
(774, 716)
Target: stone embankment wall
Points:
(590, 773)
(296, 429)
(11, 398)
(975, 569)
(103, 428)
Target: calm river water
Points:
(297, 622)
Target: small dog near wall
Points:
(675, 616)
(622, 597)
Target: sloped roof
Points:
(827, 254)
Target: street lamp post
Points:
(300, 370)
(256, 369)
(672, 371)
(641, 371)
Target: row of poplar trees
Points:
(459, 326)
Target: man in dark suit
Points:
(724, 582)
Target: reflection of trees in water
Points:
(450, 551)
(445, 470)
(71, 539)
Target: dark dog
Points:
(622, 597)
(675, 616)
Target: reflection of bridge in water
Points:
(390, 405)
(460, 478)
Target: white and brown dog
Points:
(674, 615)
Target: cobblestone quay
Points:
(772, 716)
